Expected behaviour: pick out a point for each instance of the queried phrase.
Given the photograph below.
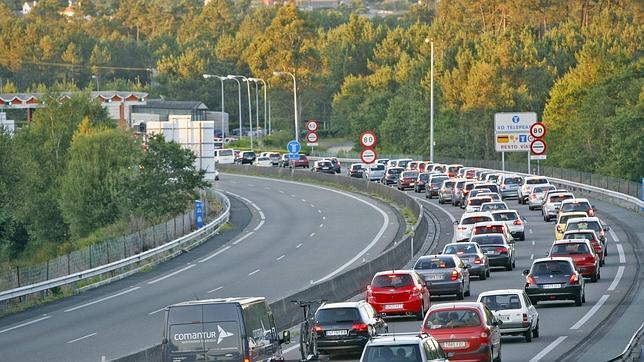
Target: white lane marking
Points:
(312, 235)
(285, 351)
(253, 272)
(303, 200)
(298, 245)
(591, 312)
(81, 338)
(531, 256)
(102, 299)
(323, 217)
(171, 274)
(25, 324)
(293, 195)
(312, 205)
(547, 350)
(214, 290)
(157, 311)
(530, 230)
(533, 242)
(242, 238)
(233, 194)
(620, 250)
(281, 257)
(319, 211)
(618, 277)
(261, 223)
(321, 225)
(214, 254)
(261, 214)
(613, 235)
(373, 242)
(281, 192)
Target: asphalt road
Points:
(285, 235)
(562, 325)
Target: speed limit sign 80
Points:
(368, 139)
(538, 130)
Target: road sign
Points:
(293, 156)
(512, 131)
(309, 144)
(312, 126)
(538, 147)
(368, 156)
(198, 214)
(368, 139)
(293, 147)
(537, 157)
(512, 142)
(312, 137)
(538, 130)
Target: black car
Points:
(391, 175)
(346, 327)
(554, 278)
(499, 251)
(246, 157)
(336, 164)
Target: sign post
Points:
(311, 133)
(293, 148)
(512, 133)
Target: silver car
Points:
(551, 207)
(515, 223)
(445, 274)
(535, 200)
(470, 253)
(417, 347)
(528, 184)
(509, 185)
(514, 309)
(375, 172)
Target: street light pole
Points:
(239, 115)
(250, 108)
(297, 128)
(431, 102)
(265, 85)
(221, 79)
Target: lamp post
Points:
(250, 108)
(239, 115)
(98, 89)
(221, 79)
(266, 129)
(254, 80)
(431, 103)
(297, 129)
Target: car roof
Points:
(500, 291)
(461, 243)
(475, 214)
(575, 200)
(503, 211)
(494, 202)
(437, 256)
(572, 213)
(570, 241)
(489, 223)
(342, 305)
(582, 231)
(585, 218)
(397, 339)
(241, 300)
(456, 305)
(394, 271)
(555, 258)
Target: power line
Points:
(67, 65)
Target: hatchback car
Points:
(452, 170)
(535, 199)
(346, 327)
(528, 184)
(493, 195)
(407, 179)
(445, 192)
(301, 161)
(412, 347)
(582, 254)
(554, 279)
(421, 181)
(457, 191)
(494, 206)
(552, 203)
(324, 166)
(498, 249)
(445, 274)
(391, 175)
(263, 161)
(246, 157)
(470, 253)
(465, 192)
(355, 170)
(591, 236)
(573, 205)
(467, 331)
(374, 172)
(514, 222)
(474, 203)
(434, 184)
(490, 186)
(509, 185)
(398, 292)
(562, 219)
(514, 309)
(588, 223)
(275, 158)
(464, 226)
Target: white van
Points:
(224, 156)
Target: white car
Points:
(514, 309)
(474, 203)
(550, 208)
(513, 220)
(464, 227)
(374, 172)
(493, 206)
(224, 156)
(528, 184)
(417, 347)
(263, 161)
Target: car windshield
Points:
(494, 206)
(460, 184)
(398, 352)
(434, 263)
(560, 198)
(423, 177)
(570, 248)
(302, 157)
(394, 171)
(587, 236)
(462, 248)
(478, 202)
(542, 189)
(512, 180)
(337, 315)
(488, 239)
(505, 216)
(584, 225)
(438, 180)
(551, 267)
(536, 181)
(475, 219)
(493, 177)
(379, 167)
(392, 281)
(564, 218)
(502, 301)
(448, 184)
(453, 318)
(356, 167)
(488, 229)
(410, 174)
(575, 206)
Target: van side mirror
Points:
(286, 337)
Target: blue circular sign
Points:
(515, 119)
(293, 147)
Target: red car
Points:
(303, 162)
(590, 236)
(466, 331)
(407, 180)
(582, 254)
(398, 292)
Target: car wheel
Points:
(578, 301)
(528, 335)
(514, 265)
(599, 274)
(426, 196)
(487, 272)
(606, 252)
(522, 236)
(530, 208)
(535, 332)
(421, 314)
(467, 294)
(583, 297)
(460, 295)
(483, 275)
(594, 277)
(498, 357)
(533, 301)
(508, 267)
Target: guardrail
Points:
(197, 236)
(628, 350)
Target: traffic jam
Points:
(486, 239)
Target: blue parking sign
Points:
(293, 156)
(293, 147)
(523, 138)
(198, 214)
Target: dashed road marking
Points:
(312, 235)
(530, 231)
(613, 235)
(171, 274)
(81, 338)
(102, 299)
(253, 272)
(242, 238)
(620, 250)
(25, 324)
(214, 290)
(618, 277)
(299, 245)
(214, 254)
(591, 312)
(321, 225)
(319, 211)
(281, 257)
(549, 348)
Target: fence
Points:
(102, 253)
(606, 182)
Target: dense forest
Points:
(577, 64)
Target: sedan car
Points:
(467, 331)
(324, 166)
(554, 279)
(552, 203)
(263, 162)
(509, 185)
(407, 179)
(246, 157)
(470, 253)
(445, 274)
(464, 226)
(577, 204)
(391, 175)
(346, 327)
(457, 191)
(498, 249)
(587, 223)
(514, 222)
(528, 183)
(275, 158)
(398, 292)
(355, 170)
(562, 220)
(514, 309)
(582, 254)
(445, 192)
(474, 203)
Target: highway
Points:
(562, 325)
(284, 236)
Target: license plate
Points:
(434, 277)
(454, 344)
(339, 332)
(393, 306)
(504, 318)
(490, 252)
(551, 286)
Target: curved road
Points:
(562, 325)
(293, 234)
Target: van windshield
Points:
(225, 152)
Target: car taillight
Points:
(525, 320)
(574, 279)
(360, 327)
(454, 275)
(477, 260)
(559, 228)
(247, 359)
(502, 250)
(484, 334)
(317, 328)
(530, 280)
(591, 213)
(533, 196)
(369, 292)
(517, 222)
